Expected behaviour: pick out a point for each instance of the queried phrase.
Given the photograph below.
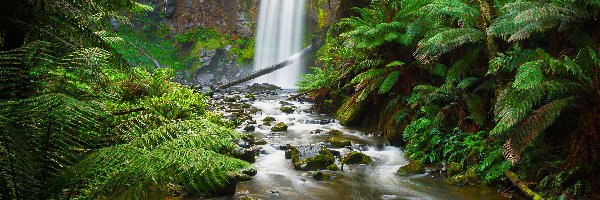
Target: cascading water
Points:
(279, 36)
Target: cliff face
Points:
(235, 17)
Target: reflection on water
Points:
(277, 179)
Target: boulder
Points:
(354, 158)
(338, 142)
(321, 161)
(320, 176)
(453, 169)
(465, 178)
(268, 119)
(351, 110)
(414, 167)
(334, 132)
(261, 142)
(287, 109)
(279, 127)
(249, 128)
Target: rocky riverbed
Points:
(302, 155)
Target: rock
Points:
(248, 155)
(287, 109)
(267, 123)
(334, 132)
(320, 176)
(316, 131)
(248, 138)
(249, 128)
(321, 161)
(231, 99)
(250, 171)
(268, 119)
(261, 142)
(466, 178)
(338, 142)
(279, 127)
(354, 158)
(332, 167)
(251, 121)
(250, 96)
(324, 121)
(335, 153)
(261, 87)
(351, 110)
(414, 167)
(285, 103)
(453, 169)
(246, 198)
(292, 153)
(246, 106)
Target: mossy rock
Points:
(250, 96)
(354, 158)
(466, 178)
(261, 142)
(414, 167)
(332, 167)
(334, 132)
(287, 109)
(246, 105)
(279, 127)
(268, 119)
(338, 142)
(320, 176)
(321, 161)
(453, 169)
(351, 111)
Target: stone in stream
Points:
(261, 142)
(354, 158)
(268, 119)
(279, 127)
(250, 96)
(287, 110)
(316, 131)
(249, 128)
(414, 167)
(305, 158)
(468, 177)
(339, 142)
(334, 132)
(261, 87)
(320, 176)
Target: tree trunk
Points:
(269, 69)
(519, 184)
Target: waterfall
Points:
(279, 35)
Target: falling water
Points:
(280, 32)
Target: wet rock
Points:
(267, 123)
(316, 131)
(321, 161)
(466, 178)
(248, 138)
(354, 158)
(247, 154)
(253, 110)
(246, 106)
(249, 128)
(261, 87)
(250, 96)
(246, 198)
(332, 167)
(338, 142)
(351, 110)
(251, 122)
(285, 103)
(334, 132)
(279, 127)
(453, 169)
(261, 142)
(268, 119)
(324, 121)
(292, 153)
(250, 171)
(335, 153)
(414, 167)
(231, 99)
(320, 176)
(284, 147)
(287, 110)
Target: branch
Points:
(517, 182)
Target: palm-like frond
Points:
(456, 10)
(445, 41)
(524, 18)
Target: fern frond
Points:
(445, 41)
(532, 127)
(456, 10)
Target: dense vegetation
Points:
(78, 121)
(490, 87)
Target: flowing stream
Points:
(277, 178)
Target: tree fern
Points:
(445, 41)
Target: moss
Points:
(338, 142)
(354, 158)
(414, 167)
(334, 132)
(350, 111)
(332, 167)
(268, 119)
(279, 127)
(320, 176)
(267, 123)
(321, 161)
(453, 169)
(466, 178)
(287, 109)
(250, 96)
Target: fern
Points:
(389, 82)
(445, 41)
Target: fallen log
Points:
(519, 184)
(294, 58)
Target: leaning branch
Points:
(517, 182)
(269, 69)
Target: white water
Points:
(279, 36)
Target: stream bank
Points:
(259, 110)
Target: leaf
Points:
(396, 63)
(389, 82)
